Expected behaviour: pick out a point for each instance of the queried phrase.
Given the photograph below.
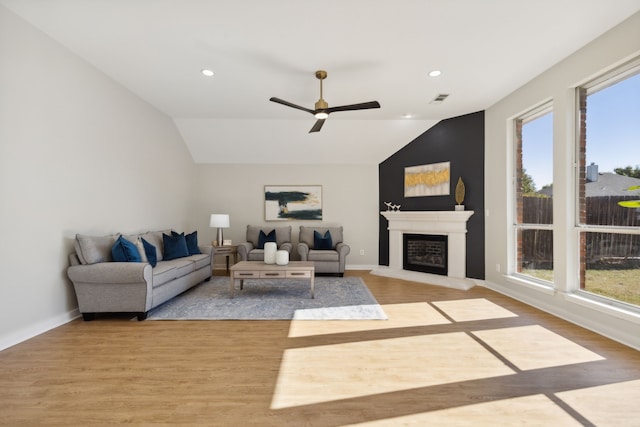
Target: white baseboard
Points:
(360, 267)
(562, 306)
(39, 328)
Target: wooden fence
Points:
(602, 248)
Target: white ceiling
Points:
(372, 49)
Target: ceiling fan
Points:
(322, 110)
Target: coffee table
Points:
(258, 270)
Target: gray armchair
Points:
(329, 254)
(251, 250)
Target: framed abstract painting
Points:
(427, 180)
(292, 202)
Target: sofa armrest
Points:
(206, 249)
(209, 250)
(112, 287)
(286, 247)
(343, 249)
(303, 251)
(111, 272)
(244, 249)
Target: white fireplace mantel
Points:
(448, 223)
(433, 222)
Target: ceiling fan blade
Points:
(317, 126)
(288, 104)
(361, 106)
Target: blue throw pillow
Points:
(322, 243)
(192, 243)
(264, 238)
(175, 246)
(150, 252)
(125, 251)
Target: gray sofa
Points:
(105, 286)
(327, 260)
(250, 250)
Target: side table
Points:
(227, 251)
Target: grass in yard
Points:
(622, 285)
(539, 274)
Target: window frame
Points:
(582, 91)
(517, 226)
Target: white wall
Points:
(349, 193)
(614, 47)
(78, 154)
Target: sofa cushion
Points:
(175, 246)
(316, 255)
(164, 272)
(256, 255)
(264, 238)
(184, 266)
(140, 246)
(192, 243)
(155, 238)
(321, 242)
(124, 250)
(283, 234)
(94, 249)
(306, 234)
(150, 252)
(200, 260)
(76, 246)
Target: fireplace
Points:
(450, 225)
(425, 253)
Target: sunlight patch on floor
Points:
(468, 310)
(535, 347)
(535, 410)
(399, 316)
(607, 405)
(380, 366)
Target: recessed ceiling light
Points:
(207, 72)
(407, 116)
(435, 73)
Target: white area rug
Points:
(336, 298)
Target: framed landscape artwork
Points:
(427, 180)
(292, 202)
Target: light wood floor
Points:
(444, 357)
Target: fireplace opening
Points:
(425, 253)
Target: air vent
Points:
(438, 99)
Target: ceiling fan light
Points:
(321, 115)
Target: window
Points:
(533, 187)
(608, 167)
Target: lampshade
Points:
(219, 220)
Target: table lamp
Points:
(220, 221)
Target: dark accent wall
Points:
(459, 140)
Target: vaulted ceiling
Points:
(372, 49)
